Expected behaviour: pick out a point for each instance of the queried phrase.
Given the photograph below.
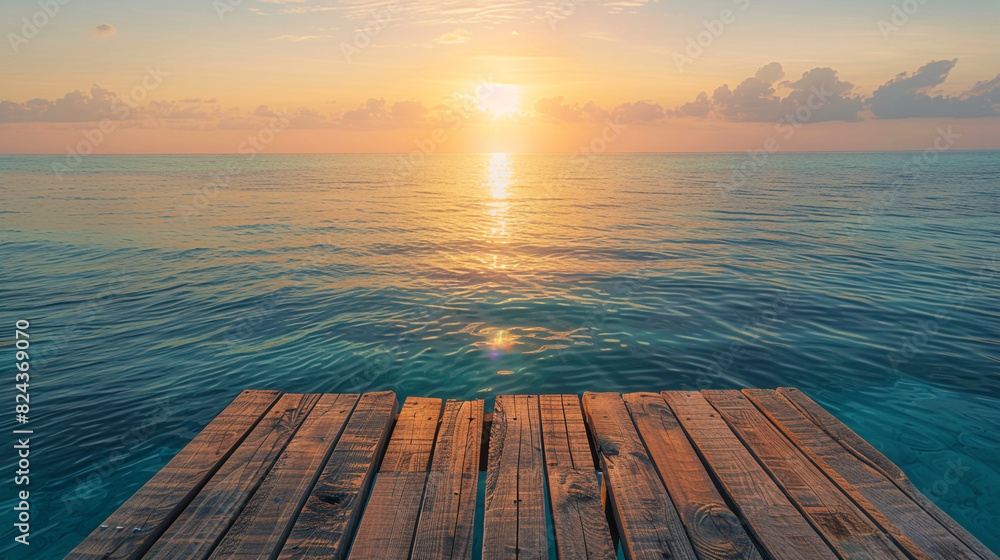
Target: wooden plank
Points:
(648, 523)
(845, 527)
(866, 452)
(131, 530)
(213, 510)
(581, 528)
(390, 518)
(776, 524)
(447, 513)
(261, 528)
(514, 519)
(907, 523)
(412, 440)
(324, 527)
(714, 530)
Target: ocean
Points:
(158, 287)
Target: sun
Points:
(501, 100)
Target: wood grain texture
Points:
(775, 522)
(447, 513)
(208, 517)
(390, 519)
(866, 452)
(648, 522)
(514, 521)
(136, 525)
(578, 519)
(327, 521)
(717, 475)
(913, 529)
(714, 530)
(264, 523)
(845, 527)
(412, 440)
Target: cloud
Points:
(299, 38)
(100, 104)
(457, 36)
(756, 99)
(302, 118)
(408, 111)
(640, 111)
(76, 106)
(753, 100)
(554, 109)
(907, 96)
(700, 107)
(426, 13)
(376, 113)
(770, 73)
(103, 30)
(989, 90)
(818, 95)
(373, 110)
(821, 87)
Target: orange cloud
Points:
(103, 30)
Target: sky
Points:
(398, 76)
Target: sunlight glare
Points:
(499, 175)
(503, 101)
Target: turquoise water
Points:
(159, 287)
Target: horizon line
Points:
(265, 154)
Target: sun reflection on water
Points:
(498, 182)
(499, 176)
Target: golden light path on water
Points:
(498, 183)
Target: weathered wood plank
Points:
(131, 530)
(845, 527)
(581, 528)
(447, 513)
(390, 518)
(648, 523)
(777, 525)
(214, 509)
(412, 440)
(866, 452)
(264, 523)
(714, 530)
(514, 521)
(907, 523)
(324, 527)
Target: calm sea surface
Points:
(158, 287)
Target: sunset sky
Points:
(203, 76)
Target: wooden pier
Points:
(756, 474)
